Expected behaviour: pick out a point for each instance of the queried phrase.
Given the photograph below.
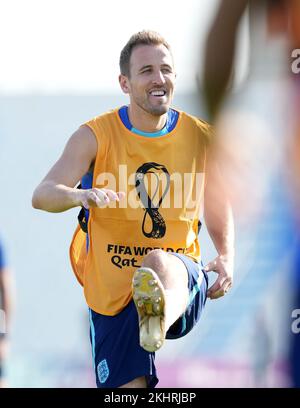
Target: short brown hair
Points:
(145, 37)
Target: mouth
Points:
(158, 93)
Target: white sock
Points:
(176, 303)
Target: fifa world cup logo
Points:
(151, 210)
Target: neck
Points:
(144, 121)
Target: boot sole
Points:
(149, 299)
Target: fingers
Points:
(219, 288)
(110, 194)
(216, 287)
(121, 195)
(221, 265)
(211, 266)
(97, 197)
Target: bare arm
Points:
(219, 223)
(56, 192)
(220, 51)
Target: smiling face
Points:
(151, 80)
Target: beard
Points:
(157, 110)
(154, 109)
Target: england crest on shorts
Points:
(103, 371)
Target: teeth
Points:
(158, 93)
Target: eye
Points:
(144, 71)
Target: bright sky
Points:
(74, 45)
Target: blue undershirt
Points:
(172, 119)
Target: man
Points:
(280, 20)
(6, 303)
(139, 261)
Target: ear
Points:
(124, 84)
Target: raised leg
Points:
(160, 292)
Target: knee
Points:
(156, 260)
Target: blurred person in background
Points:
(6, 306)
(124, 244)
(248, 116)
(294, 18)
(257, 126)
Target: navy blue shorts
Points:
(117, 355)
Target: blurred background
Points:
(59, 69)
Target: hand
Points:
(96, 197)
(223, 266)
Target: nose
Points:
(158, 78)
